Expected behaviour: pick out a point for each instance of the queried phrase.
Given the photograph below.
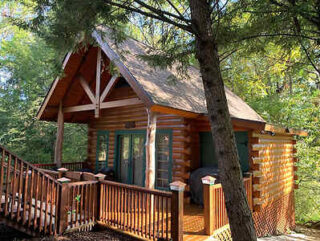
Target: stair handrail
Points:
(2, 148)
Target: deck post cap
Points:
(177, 186)
(208, 180)
(64, 180)
(100, 176)
(62, 169)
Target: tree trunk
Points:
(240, 217)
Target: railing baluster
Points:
(6, 208)
(31, 198)
(46, 205)
(51, 206)
(20, 191)
(41, 202)
(3, 156)
(25, 195)
(13, 187)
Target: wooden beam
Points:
(78, 108)
(98, 80)
(151, 150)
(120, 103)
(115, 58)
(87, 89)
(52, 88)
(59, 138)
(108, 88)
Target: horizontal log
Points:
(276, 137)
(258, 147)
(274, 160)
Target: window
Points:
(102, 149)
(163, 159)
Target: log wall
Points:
(273, 167)
(114, 119)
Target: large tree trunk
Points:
(240, 217)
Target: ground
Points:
(302, 234)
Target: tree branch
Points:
(154, 15)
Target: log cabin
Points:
(150, 126)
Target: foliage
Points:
(27, 67)
(269, 55)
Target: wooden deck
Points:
(193, 223)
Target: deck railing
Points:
(215, 213)
(35, 201)
(28, 196)
(72, 166)
(147, 213)
(78, 205)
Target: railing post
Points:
(208, 203)
(177, 189)
(62, 205)
(62, 172)
(99, 177)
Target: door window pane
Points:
(102, 149)
(124, 158)
(163, 160)
(138, 159)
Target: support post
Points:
(177, 189)
(151, 150)
(63, 205)
(98, 78)
(59, 138)
(98, 212)
(208, 203)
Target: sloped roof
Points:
(184, 93)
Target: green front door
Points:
(131, 158)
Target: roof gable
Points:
(184, 94)
(152, 85)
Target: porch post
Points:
(59, 139)
(208, 204)
(177, 189)
(98, 78)
(151, 150)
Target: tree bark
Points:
(239, 214)
(59, 139)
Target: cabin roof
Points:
(154, 86)
(183, 93)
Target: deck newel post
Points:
(62, 172)
(99, 177)
(62, 219)
(177, 189)
(208, 204)
(151, 150)
(59, 138)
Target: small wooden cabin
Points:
(150, 126)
